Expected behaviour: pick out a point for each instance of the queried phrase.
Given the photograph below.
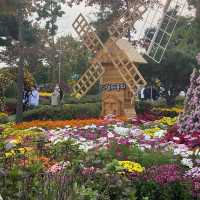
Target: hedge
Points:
(64, 112)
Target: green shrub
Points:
(86, 99)
(72, 100)
(180, 100)
(143, 106)
(10, 105)
(3, 118)
(64, 112)
(154, 191)
(145, 158)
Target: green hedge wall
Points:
(63, 112)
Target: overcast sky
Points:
(65, 23)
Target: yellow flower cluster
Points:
(173, 109)
(45, 94)
(10, 154)
(167, 121)
(78, 96)
(151, 131)
(131, 166)
(3, 114)
(18, 134)
(22, 151)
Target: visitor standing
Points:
(142, 94)
(55, 96)
(34, 97)
(26, 95)
(61, 93)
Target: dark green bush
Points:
(86, 99)
(72, 100)
(143, 106)
(63, 112)
(154, 191)
(180, 100)
(11, 105)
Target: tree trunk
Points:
(20, 75)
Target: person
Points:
(55, 96)
(34, 97)
(182, 93)
(61, 94)
(26, 95)
(142, 94)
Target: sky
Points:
(65, 23)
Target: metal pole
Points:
(159, 26)
(59, 69)
(59, 64)
(151, 93)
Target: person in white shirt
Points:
(55, 96)
(142, 94)
(34, 97)
(182, 94)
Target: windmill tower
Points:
(116, 62)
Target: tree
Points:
(50, 10)
(178, 61)
(20, 9)
(173, 72)
(7, 77)
(196, 5)
(75, 59)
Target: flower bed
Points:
(106, 158)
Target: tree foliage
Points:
(50, 10)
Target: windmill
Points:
(116, 61)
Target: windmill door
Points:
(112, 106)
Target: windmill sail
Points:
(158, 27)
(127, 20)
(88, 79)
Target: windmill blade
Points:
(87, 34)
(88, 79)
(127, 20)
(165, 29)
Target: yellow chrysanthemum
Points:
(167, 121)
(10, 154)
(78, 96)
(45, 94)
(151, 131)
(24, 150)
(131, 166)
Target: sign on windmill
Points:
(115, 63)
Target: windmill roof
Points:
(130, 51)
(122, 45)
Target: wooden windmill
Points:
(115, 63)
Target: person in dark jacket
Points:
(61, 94)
